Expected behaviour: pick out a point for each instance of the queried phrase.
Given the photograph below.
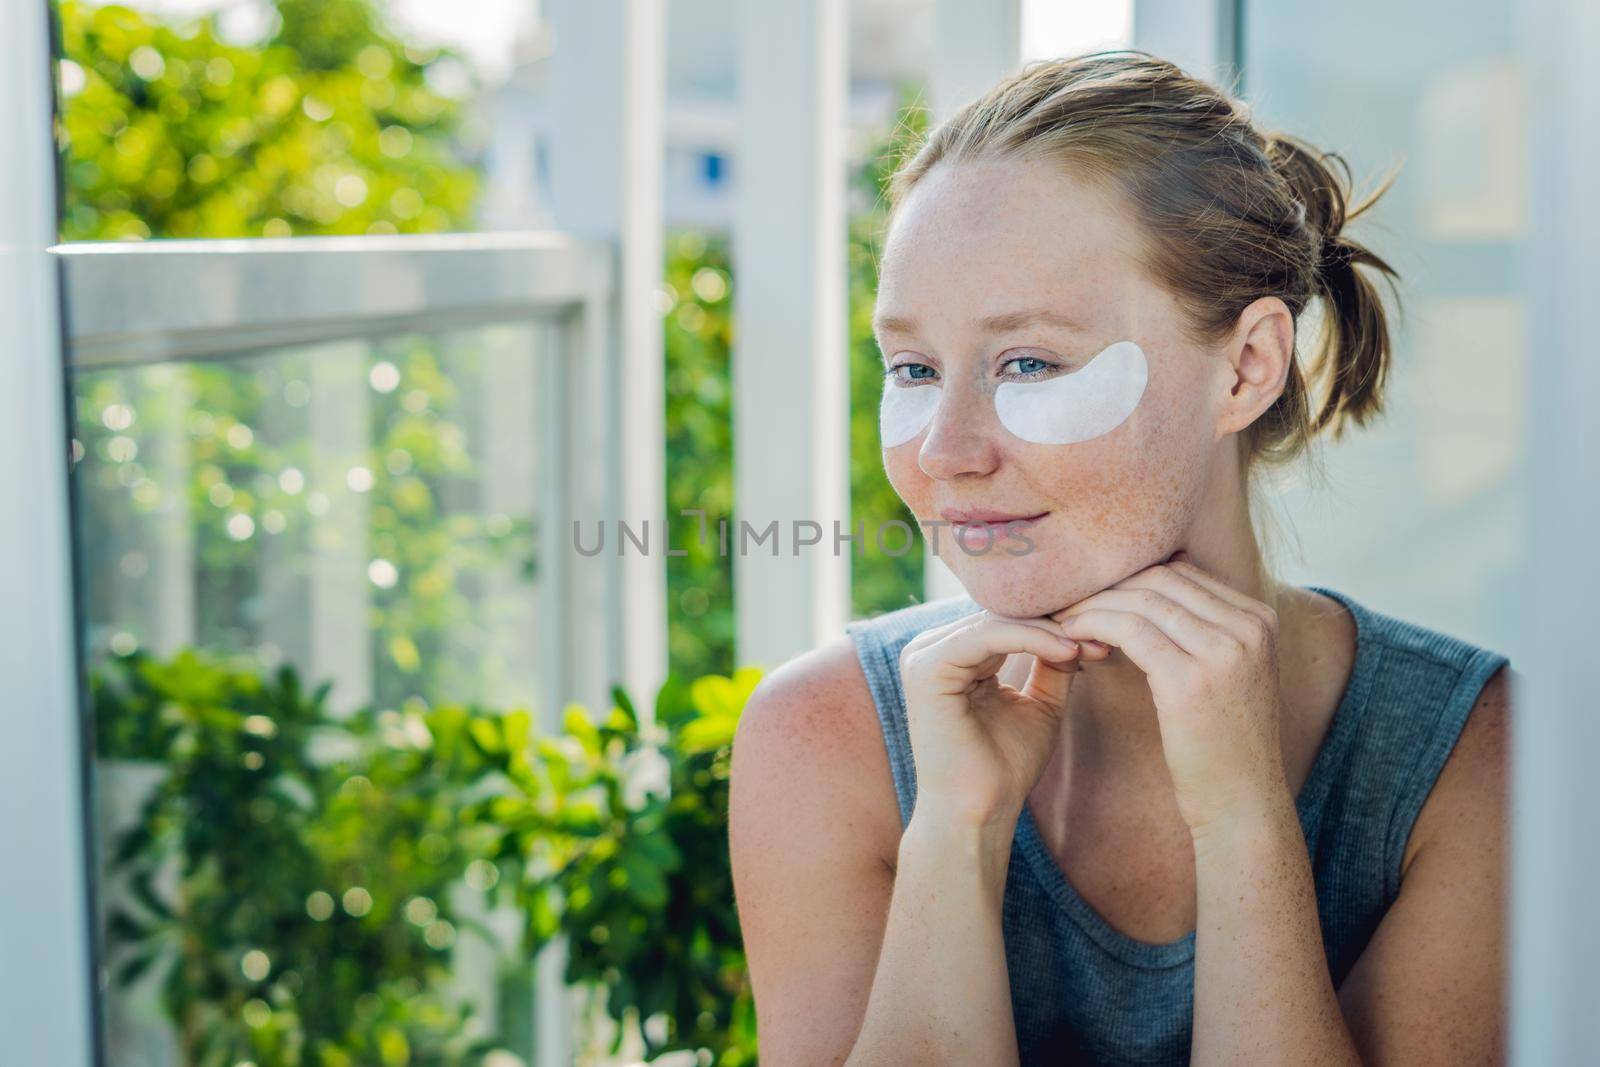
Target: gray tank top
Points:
(1083, 992)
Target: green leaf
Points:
(542, 917)
(575, 720)
(516, 726)
(619, 698)
(122, 926)
(708, 733)
(645, 880)
(487, 736)
(659, 850)
(144, 891)
(134, 967)
(715, 695)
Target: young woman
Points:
(1133, 800)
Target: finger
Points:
(981, 616)
(937, 633)
(1193, 634)
(1196, 598)
(934, 634)
(1160, 576)
(1224, 591)
(1050, 683)
(1141, 640)
(977, 652)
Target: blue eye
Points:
(1034, 368)
(1030, 368)
(890, 373)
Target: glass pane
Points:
(278, 864)
(1422, 510)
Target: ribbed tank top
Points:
(1082, 991)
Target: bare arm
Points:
(942, 994)
(867, 946)
(1262, 992)
(1429, 987)
(812, 821)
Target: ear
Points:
(1257, 360)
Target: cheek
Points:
(1127, 494)
(906, 476)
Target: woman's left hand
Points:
(1210, 656)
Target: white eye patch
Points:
(1063, 410)
(1070, 408)
(905, 411)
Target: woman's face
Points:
(1018, 271)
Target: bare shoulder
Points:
(1470, 799)
(811, 724)
(817, 706)
(812, 827)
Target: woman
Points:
(1133, 800)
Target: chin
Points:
(1054, 576)
(1017, 587)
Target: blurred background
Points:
(373, 310)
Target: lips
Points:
(983, 517)
(977, 530)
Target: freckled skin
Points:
(978, 239)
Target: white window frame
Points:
(144, 303)
(45, 965)
(141, 303)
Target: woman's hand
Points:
(1210, 656)
(979, 744)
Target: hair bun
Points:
(1337, 254)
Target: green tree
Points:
(329, 127)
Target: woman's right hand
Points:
(980, 745)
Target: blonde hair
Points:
(1229, 215)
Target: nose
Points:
(961, 438)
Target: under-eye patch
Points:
(1070, 408)
(905, 411)
(1063, 410)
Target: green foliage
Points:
(297, 906)
(699, 333)
(300, 879)
(640, 880)
(330, 127)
